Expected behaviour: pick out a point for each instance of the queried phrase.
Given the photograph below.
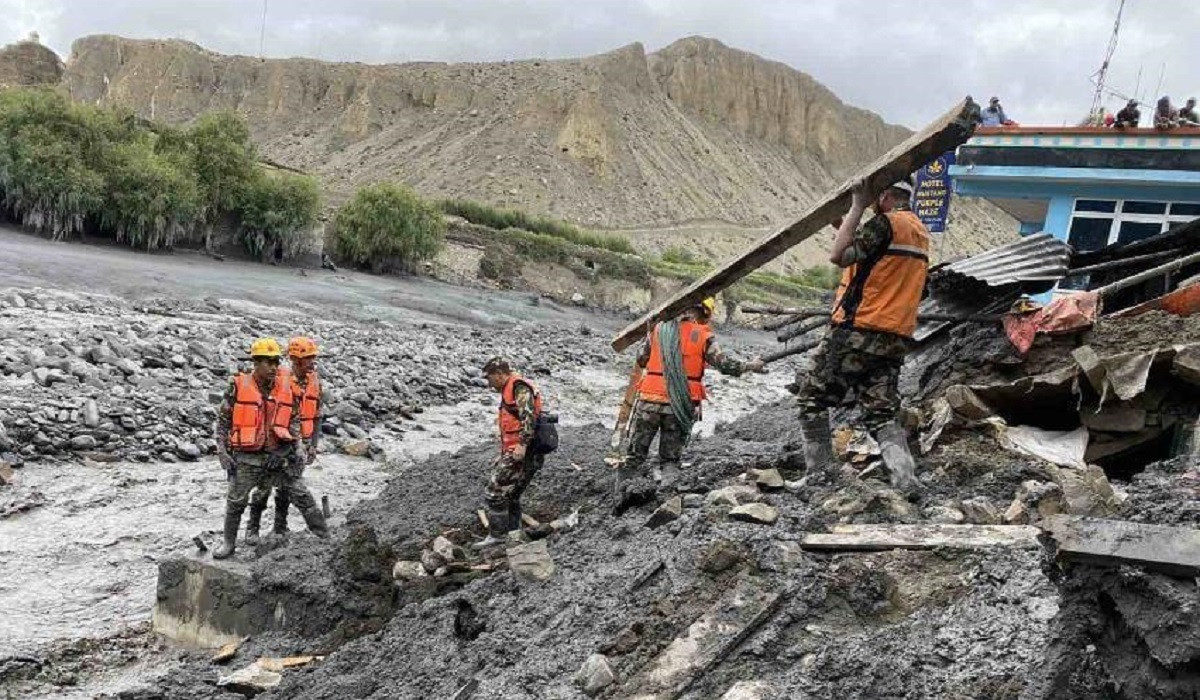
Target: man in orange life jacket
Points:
(514, 469)
(657, 414)
(306, 387)
(884, 267)
(257, 426)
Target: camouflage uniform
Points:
(658, 418)
(280, 468)
(307, 451)
(857, 365)
(510, 477)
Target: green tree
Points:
(224, 159)
(46, 179)
(152, 199)
(386, 227)
(277, 211)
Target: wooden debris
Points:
(1170, 550)
(483, 519)
(228, 651)
(854, 538)
(706, 643)
(948, 131)
(280, 664)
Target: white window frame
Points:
(1118, 217)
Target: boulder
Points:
(595, 674)
(445, 549)
(1086, 491)
(980, 511)
(356, 448)
(531, 561)
(755, 513)
(83, 442)
(188, 450)
(732, 495)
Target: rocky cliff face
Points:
(696, 132)
(29, 63)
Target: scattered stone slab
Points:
(925, 536)
(670, 510)
(980, 511)
(1086, 492)
(769, 479)
(732, 495)
(356, 448)
(1170, 550)
(531, 561)
(755, 513)
(595, 674)
(251, 680)
(706, 642)
(444, 548)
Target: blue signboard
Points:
(931, 196)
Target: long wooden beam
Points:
(947, 132)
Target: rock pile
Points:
(96, 377)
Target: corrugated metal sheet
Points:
(1040, 259)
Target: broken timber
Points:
(946, 133)
(1169, 550)
(706, 643)
(868, 538)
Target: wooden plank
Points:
(947, 132)
(867, 538)
(1169, 550)
(706, 643)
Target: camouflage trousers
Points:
(854, 367)
(655, 419)
(253, 474)
(508, 481)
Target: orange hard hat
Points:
(302, 347)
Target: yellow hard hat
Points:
(301, 347)
(709, 305)
(265, 347)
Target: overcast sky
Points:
(906, 60)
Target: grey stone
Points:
(354, 431)
(188, 450)
(732, 495)
(361, 398)
(408, 570)
(91, 413)
(980, 511)
(356, 448)
(6, 473)
(127, 366)
(251, 680)
(445, 548)
(670, 510)
(595, 674)
(531, 561)
(945, 514)
(431, 561)
(83, 442)
(577, 299)
(755, 513)
(178, 360)
(767, 478)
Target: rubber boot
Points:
(515, 523)
(315, 520)
(497, 529)
(281, 513)
(254, 522)
(233, 519)
(893, 446)
(818, 446)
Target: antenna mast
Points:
(1101, 74)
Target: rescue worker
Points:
(306, 387)
(514, 469)
(657, 415)
(257, 426)
(884, 266)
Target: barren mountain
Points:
(697, 145)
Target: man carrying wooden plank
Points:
(884, 266)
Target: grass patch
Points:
(501, 219)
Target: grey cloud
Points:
(908, 61)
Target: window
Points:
(1097, 223)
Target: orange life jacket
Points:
(693, 341)
(260, 423)
(509, 420)
(882, 293)
(310, 403)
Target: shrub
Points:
(223, 157)
(679, 255)
(276, 212)
(151, 199)
(387, 227)
(500, 219)
(46, 179)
